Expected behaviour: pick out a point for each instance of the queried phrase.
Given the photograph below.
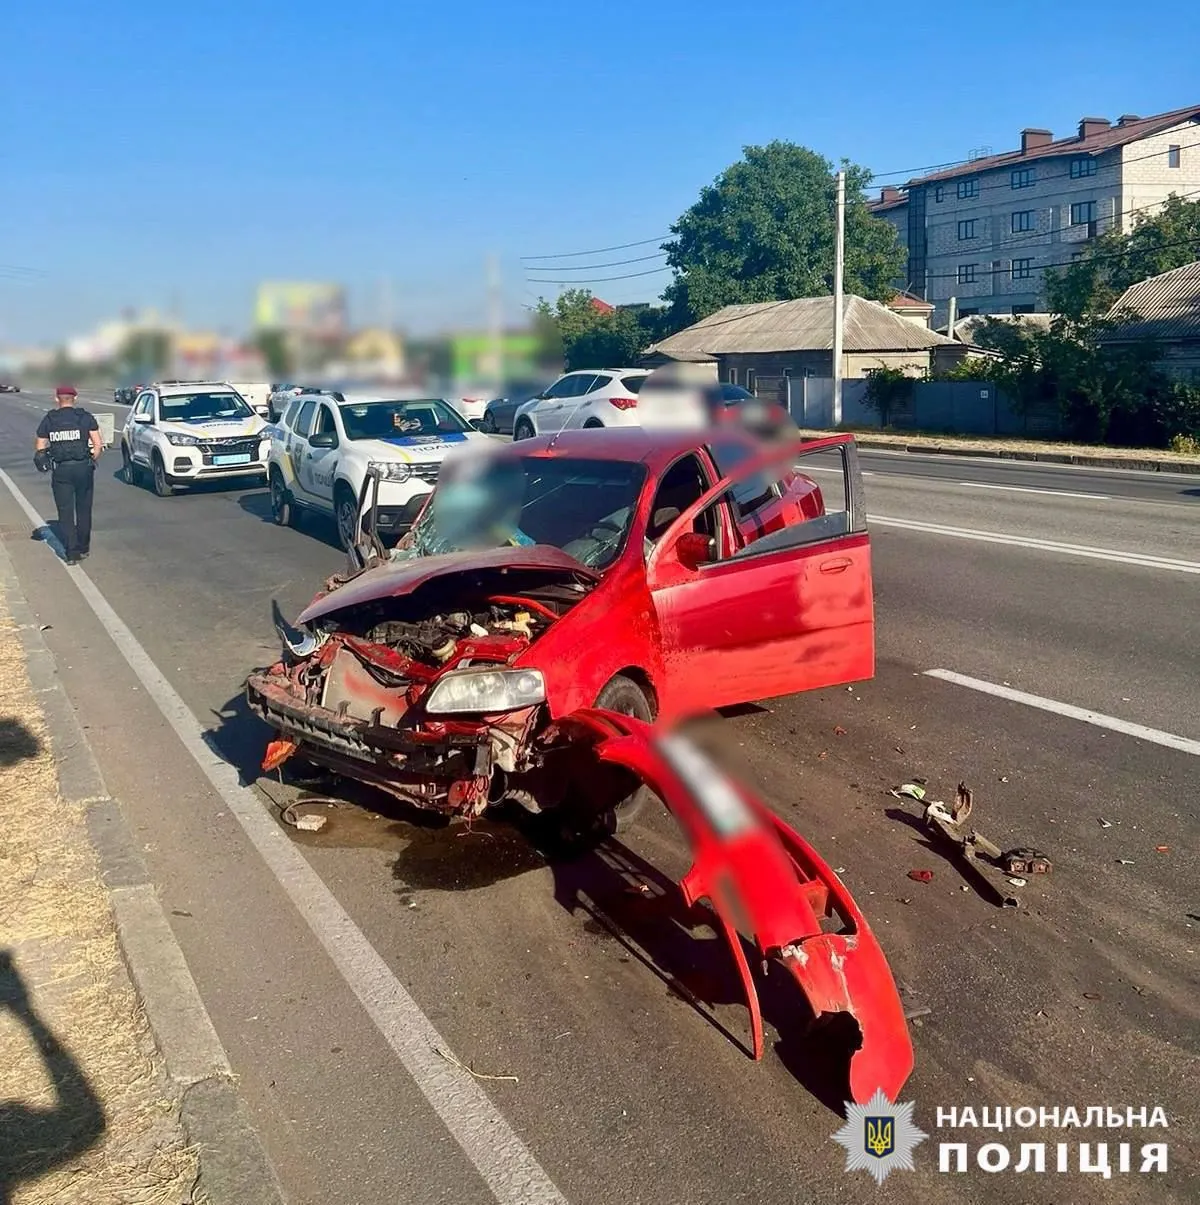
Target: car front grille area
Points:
(229, 447)
(425, 472)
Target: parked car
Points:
(257, 395)
(279, 397)
(583, 399)
(500, 413)
(9, 387)
(183, 432)
(657, 574)
(325, 443)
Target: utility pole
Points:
(495, 358)
(839, 266)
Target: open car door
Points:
(759, 615)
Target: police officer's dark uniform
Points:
(67, 430)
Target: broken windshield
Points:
(583, 507)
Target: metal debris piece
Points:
(1105, 823)
(1016, 882)
(1124, 861)
(910, 790)
(1026, 861)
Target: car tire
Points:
(523, 429)
(345, 515)
(488, 424)
(130, 473)
(624, 696)
(283, 509)
(592, 424)
(162, 483)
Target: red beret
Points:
(66, 391)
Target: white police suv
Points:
(180, 432)
(324, 444)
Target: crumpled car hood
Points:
(395, 579)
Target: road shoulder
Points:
(196, 1079)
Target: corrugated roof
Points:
(805, 324)
(1104, 140)
(1167, 306)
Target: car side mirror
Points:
(143, 418)
(323, 439)
(477, 423)
(694, 549)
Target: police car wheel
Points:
(283, 512)
(162, 483)
(129, 470)
(346, 512)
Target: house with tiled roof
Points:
(984, 231)
(1165, 310)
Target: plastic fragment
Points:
(910, 790)
(1017, 882)
(1124, 861)
(1105, 823)
(921, 876)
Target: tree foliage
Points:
(144, 356)
(764, 230)
(277, 355)
(591, 336)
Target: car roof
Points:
(654, 449)
(191, 386)
(623, 371)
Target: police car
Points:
(324, 445)
(180, 432)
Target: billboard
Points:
(308, 309)
(470, 355)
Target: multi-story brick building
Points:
(985, 231)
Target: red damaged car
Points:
(655, 574)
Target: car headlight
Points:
(180, 440)
(390, 470)
(486, 690)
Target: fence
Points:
(943, 407)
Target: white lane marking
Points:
(1026, 489)
(504, 1163)
(1020, 466)
(812, 468)
(1099, 719)
(1141, 559)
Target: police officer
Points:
(68, 444)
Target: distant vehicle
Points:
(606, 398)
(9, 387)
(733, 394)
(501, 412)
(471, 408)
(280, 395)
(186, 431)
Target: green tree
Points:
(1112, 262)
(764, 230)
(588, 336)
(144, 356)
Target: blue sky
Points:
(155, 151)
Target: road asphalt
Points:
(601, 1005)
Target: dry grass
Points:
(86, 1114)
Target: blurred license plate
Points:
(243, 459)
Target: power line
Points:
(615, 263)
(537, 280)
(1066, 263)
(597, 250)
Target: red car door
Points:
(787, 610)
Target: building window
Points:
(1022, 219)
(939, 193)
(966, 229)
(968, 189)
(1083, 212)
(731, 376)
(1172, 156)
(1024, 177)
(966, 274)
(1022, 269)
(751, 381)
(1082, 165)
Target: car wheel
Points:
(283, 513)
(523, 429)
(592, 424)
(488, 424)
(345, 509)
(162, 483)
(625, 697)
(129, 470)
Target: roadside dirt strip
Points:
(115, 1085)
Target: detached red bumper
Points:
(763, 878)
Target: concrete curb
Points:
(1086, 460)
(234, 1169)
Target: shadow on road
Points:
(17, 742)
(318, 526)
(35, 1139)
